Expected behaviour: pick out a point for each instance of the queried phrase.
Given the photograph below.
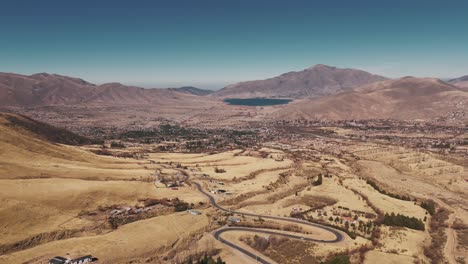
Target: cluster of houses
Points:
(173, 182)
(80, 260)
(296, 209)
(220, 191)
(234, 220)
(216, 190)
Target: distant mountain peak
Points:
(321, 67)
(460, 79)
(44, 76)
(45, 89)
(112, 84)
(318, 80)
(406, 98)
(192, 90)
(461, 82)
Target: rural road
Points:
(218, 232)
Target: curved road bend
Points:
(218, 232)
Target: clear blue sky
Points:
(214, 43)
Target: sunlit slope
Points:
(26, 154)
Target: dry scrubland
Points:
(24, 155)
(130, 241)
(425, 176)
(236, 163)
(384, 202)
(398, 245)
(48, 188)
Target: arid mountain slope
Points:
(318, 80)
(460, 82)
(51, 89)
(405, 98)
(42, 130)
(41, 89)
(20, 145)
(30, 149)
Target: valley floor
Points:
(68, 201)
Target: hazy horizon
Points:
(211, 44)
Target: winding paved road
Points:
(217, 233)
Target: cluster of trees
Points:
(260, 243)
(180, 166)
(430, 206)
(396, 196)
(364, 228)
(403, 221)
(181, 206)
(340, 259)
(207, 260)
(345, 229)
(193, 139)
(435, 251)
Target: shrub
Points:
(115, 144)
(318, 181)
(218, 170)
(181, 206)
(340, 259)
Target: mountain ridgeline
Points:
(315, 81)
(51, 89)
(193, 90)
(460, 82)
(319, 92)
(406, 98)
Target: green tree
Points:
(220, 261)
(430, 206)
(340, 259)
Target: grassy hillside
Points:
(45, 131)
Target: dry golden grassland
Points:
(46, 187)
(385, 203)
(400, 244)
(235, 163)
(131, 240)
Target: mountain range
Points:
(460, 82)
(51, 89)
(404, 98)
(193, 90)
(319, 92)
(318, 80)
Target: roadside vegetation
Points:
(435, 251)
(283, 250)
